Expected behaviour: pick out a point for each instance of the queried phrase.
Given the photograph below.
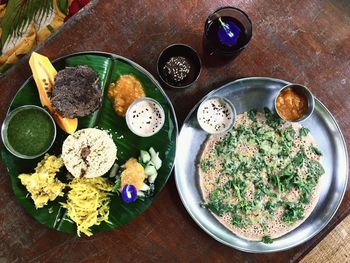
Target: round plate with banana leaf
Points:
(113, 136)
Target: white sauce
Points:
(145, 117)
(215, 115)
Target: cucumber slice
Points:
(152, 178)
(114, 170)
(140, 194)
(150, 169)
(155, 158)
(144, 187)
(145, 156)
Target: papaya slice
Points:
(44, 76)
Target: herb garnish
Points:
(293, 212)
(299, 158)
(303, 132)
(252, 115)
(271, 119)
(267, 240)
(315, 150)
(206, 165)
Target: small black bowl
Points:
(179, 50)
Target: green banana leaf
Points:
(109, 68)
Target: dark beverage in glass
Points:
(227, 31)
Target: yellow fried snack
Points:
(42, 185)
(134, 174)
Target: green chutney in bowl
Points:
(28, 131)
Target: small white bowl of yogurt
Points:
(216, 115)
(145, 117)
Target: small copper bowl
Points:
(303, 91)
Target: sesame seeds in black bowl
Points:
(179, 66)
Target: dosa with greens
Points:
(260, 179)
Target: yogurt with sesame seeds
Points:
(216, 115)
(145, 117)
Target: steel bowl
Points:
(4, 131)
(229, 104)
(301, 90)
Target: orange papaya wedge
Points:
(44, 76)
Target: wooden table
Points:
(307, 42)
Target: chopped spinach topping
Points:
(262, 189)
(293, 212)
(247, 206)
(288, 134)
(239, 221)
(252, 115)
(299, 158)
(271, 206)
(258, 163)
(271, 119)
(239, 186)
(315, 150)
(270, 167)
(315, 168)
(267, 240)
(206, 165)
(216, 204)
(303, 132)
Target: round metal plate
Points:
(257, 93)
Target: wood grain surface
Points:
(334, 248)
(306, 42)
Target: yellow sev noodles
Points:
(88, 202)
